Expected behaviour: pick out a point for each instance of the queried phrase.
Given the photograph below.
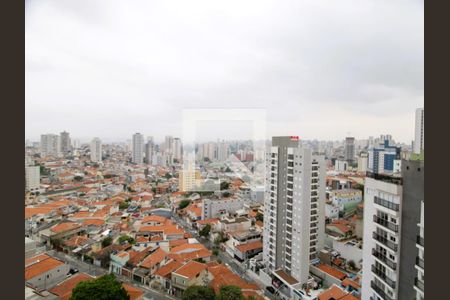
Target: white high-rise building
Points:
(363, 161)
(50, 144)
(168, 145)
(32, 178)
(149, 150)
(382, 216)
(177, 149)
(96, 150)
(222, 151)
(419, 136)
(137, 148)
(294, 205)
(76, 144)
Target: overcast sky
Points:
(321, 69)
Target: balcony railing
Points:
(384, 259)
(383, 276)
(420, 262)
(380, 291)
(391, 245)
(420, 241)
(387, 204)
(385, 223)
(420, 284)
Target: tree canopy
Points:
(230, 292)
(106, 241)
(205, 230)
(103, 288)
(259, 217)
(183, 204)
(196, 292)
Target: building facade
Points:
(32, 178)
(349, 149)
(96, 150)
(137, 148)
(50, 144)
(66, 145)
(294, 207)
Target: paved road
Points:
(93, 270)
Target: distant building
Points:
(50, 144)
(341, 165)
(96, 150)
(168, 145)
(363, 161)
(222, 151)
(177, 149)
(349, 149)
(65, 142)
(385, 158)
(32, 178)
(149, 150)
(137, 149)
(419, 134)
(213, 208)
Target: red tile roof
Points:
(167, 269)
(64, 289)
(250, 246)
(65, 226)
(134, 292)
(332, 271)
(156, 257)
(191, 269)
(40, 264)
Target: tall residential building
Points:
(419, 135)
(168, 145)
(137, 148)
(32, 178)
(363, 160)
(149, 150)
(222, 151)
(392, 210)
(50, 144)
(76, 144)
(419, 281)
(294, 207)
(349, 149)
(96, 150)
(65, 142)
(177, 149)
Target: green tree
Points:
(126, 238)
(183, 204)
(205, 230)
(196, 292)
(215, 252)
(106, 241)
(168, 176)
(230, 292)
(102, 288)
(123, 205)
(259, 217)
(78, 178)
(224, 185)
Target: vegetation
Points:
(184, 204)
(351, 265)
(215, 252)
(259, 217)
(106, 241)
(205, 230)
(196, 292)
(124, 205)
(230, 292)
(126, 238)
(103, 288)
(168, 176)
(224, 185)
(221, 238)
(78, 178)
(200, 260)
(55, 242)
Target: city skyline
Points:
(331, 79)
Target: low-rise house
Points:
(62, 231)
(64, 289)
(164, 274)
(248, 250)
(135, 293)
(43, 271)
(192, 273)
(230, 224)
(335, 292)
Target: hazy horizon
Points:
(322, 70)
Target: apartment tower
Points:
(137, 148)
(96, 150)
(294, 207)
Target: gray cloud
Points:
(320, 68)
